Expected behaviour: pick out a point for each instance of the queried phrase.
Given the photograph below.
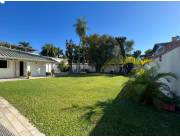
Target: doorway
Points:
(21, 68)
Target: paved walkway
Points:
(13, 123)
(20, 78)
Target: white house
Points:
(15, 63)
(167, 56)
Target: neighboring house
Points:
(167, 56)
(15, 63)
(86, 67)
(56, 63)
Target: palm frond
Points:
(162, 75)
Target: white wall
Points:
(36, 68)
(170, 62)
(109, 68)
(8, 72)
(48, 67)
(86, 66)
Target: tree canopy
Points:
(51, 51)
(137, 53)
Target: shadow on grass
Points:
(122, 117)
(89, 75)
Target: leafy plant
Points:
(63, 66)
(146, 86)
(52, 72)
(28, 74)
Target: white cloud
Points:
(2, 1)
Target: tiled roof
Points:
(166, 47)
(6, 53)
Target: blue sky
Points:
(52, 22)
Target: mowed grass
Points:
(86, 105)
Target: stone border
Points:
(14, 122)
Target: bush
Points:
(146, 86)
(52, 71)
(28, 74)
(63, 66)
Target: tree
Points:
(148, 52)
(128, 46)
(137, 53)
(81, 28)
(60, 52)
(69, 52)
(50, 50)
(99, 49)
(25, 45)
(121, 42)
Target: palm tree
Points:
(25, 45)
(125, 47)
(81, 28)
(148, 85)
(49, 50)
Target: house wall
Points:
(36, 69)
(8, 72)
(170, 63)
(49, 67)
(109, 68)
(86, 66)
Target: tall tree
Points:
(121, 42)
(81, 28)
(25, 45)
(125, 45)
(99, 49)
(69, 52)
(137, 53)
(49, 50)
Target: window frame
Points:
(6, 64)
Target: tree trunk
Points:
(98, 68)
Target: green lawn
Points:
(86, 105)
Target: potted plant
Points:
(52, 72)
(169, 102)
(28, 75)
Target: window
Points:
(3, 63)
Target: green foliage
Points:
(63, 66)
(148, 52)
(81, 28)
(50, 50)
(146, 86)
(29, 73)
(137, 53)
(99, 49)
(70, 52)
(24, 44)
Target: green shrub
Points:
(63, 66)
(146, 86)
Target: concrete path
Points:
(12, 123)
(20, 78)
